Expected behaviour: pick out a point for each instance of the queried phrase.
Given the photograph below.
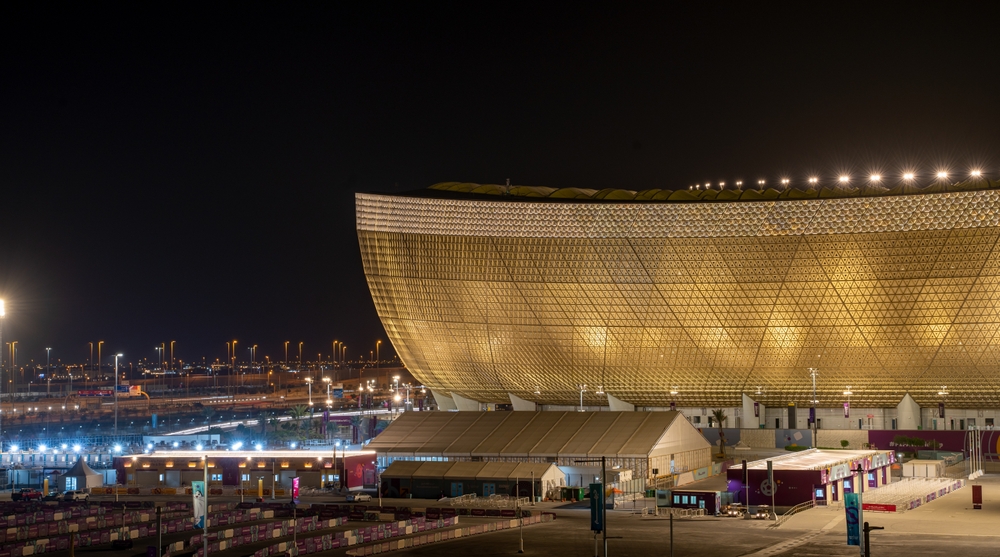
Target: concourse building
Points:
(885, 295)
(823, 476)
(172, 470)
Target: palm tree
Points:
(720, 418)
(298, 412)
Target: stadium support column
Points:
(466, 404)
(618, 405)
(519, 404)
(443, 401)
(752, 418)
(907, 413)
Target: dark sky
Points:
(183, 173)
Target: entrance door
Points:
(489, 489)
(456, 489)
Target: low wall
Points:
(831, 438)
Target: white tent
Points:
(80, 476)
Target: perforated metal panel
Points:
(886, 295)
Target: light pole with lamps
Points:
(233, 370)
(286, 352)
(812, 371)
(3, 313)
(309, 383)
(300, 353)
(172, 354)
(377, 344)
(48, 365)
(582, 389)
(99, 343)
(13, 365)
(116, 392)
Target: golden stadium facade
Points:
(487, 291)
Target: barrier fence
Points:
(909, 494)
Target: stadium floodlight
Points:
(875, 178)
(908, 176)
(813, 180)
(845, 179)
(942, 174)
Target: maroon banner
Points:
(847, 409)
(878, 507)
(913, 440)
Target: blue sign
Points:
(596, 507)
(338, 393)
(852, 505)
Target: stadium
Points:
(706, 296)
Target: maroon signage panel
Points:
(977, 496)
(913, 440)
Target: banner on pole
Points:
(756, 410)
(596, 500)
(847, 409)
(852, 506)
(940, 409)
(295, 489)
(198, 492)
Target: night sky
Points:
(188, 174)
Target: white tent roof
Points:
(537, 435)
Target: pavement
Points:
(947, 526)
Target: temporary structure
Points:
(80, 476)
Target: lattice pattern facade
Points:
(886, 295)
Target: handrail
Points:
(797, 508)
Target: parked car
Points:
(735, 510)
(360, 497)
(53, 496)
(26, 494)
(76, 495)
(763, 512)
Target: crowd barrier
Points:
(908, 494)
(230, 491)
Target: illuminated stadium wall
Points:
(488, 295)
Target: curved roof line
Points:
(727, 194)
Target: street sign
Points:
(852, 506)
(596, 502)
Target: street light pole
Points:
(3, 313)
(116, 393)
(813, 372)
